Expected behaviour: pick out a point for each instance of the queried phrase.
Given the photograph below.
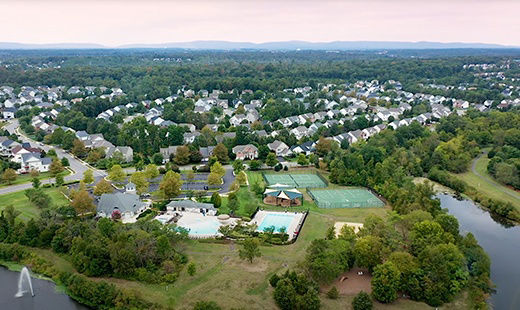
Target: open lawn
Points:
(485, 183)
(27, 178)
(22, 204)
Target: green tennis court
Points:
(296, 180)
(345, 198)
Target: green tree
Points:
(83, 203)
(206, 305)
(254, 165)
(171, 184)
(103, 187)
(56, 167)
(369, 252)
(9, 176)
(428, 233)
(151, 171)
(65, 162)
(214, 179)
(216, 200)
(221, 152)
(192, 269)
(233, 203)
(238, 165)
(333, 293)
(327, 259)
(36, 183)
(250, 249)
(385, 282)
(302, 160)
(218, 169)
(141, 184)
(182, 155)
(79, 149)
(88, 176)
(60, 180)
(116, 174)
(271, 160)
(157, 158)
(362, 301)
(241, 178)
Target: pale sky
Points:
(116, 22)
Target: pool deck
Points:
(293, 228)
(190, 219)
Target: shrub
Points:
(362, 301)
(192, 269)
(333, 293)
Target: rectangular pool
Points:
(278, 220)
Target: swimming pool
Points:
(204, 227)
(277, 220)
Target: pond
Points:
(45, 295)
(501, 242)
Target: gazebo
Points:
(282, 196)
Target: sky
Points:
(117, 22)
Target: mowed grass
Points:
(27, 178)
(22, 204)
(490, 190)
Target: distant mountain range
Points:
(282, 45)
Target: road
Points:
(489, 181)
(76, 165)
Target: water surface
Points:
(502, 243)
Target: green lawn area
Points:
(494, 190)
(22, 204)
(27, 178)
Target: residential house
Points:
(306, 148)
(247, 151)
(126, 204)
(168, 152)
(126, 152)
(279, 148)
(33, 161)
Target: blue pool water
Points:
(207, 226)
(276, 220)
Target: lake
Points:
(45, 295)
(502, 244)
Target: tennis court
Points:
(345, 198)
(296, 180)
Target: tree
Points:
(238, 165)
(9, 176)
(241, 178)
(327, 259)
(192, 269)
(362, 301)
(369, 251)
(56, 167)
(157, 158)
(254, 165)
(139, 179)
(214, 179)
(60, 180)
(82, 202)
(233, 203)
(216, 200)
(302, 160)
(88, 176)
(250, 249)
(65, 162)
(103, 187)
(218, 169)
(182, 155)
(295, 291)
(151, 171)
(323, 147)
(271, 160)
(171, 184)
(221, 152)
(116, 174)
(385, 282)
(36, 183)
(428, 233)
(78, 148)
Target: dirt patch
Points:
(258, 265)
(351, 283)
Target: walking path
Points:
(490, 181)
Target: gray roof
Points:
(123, 202)
(190, 204)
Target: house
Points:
(7, 146)
(247, 151)
(126, 151)
(167, 152)
(300, 132)
(282, 196)
(126, 204)
(191, 206)
(206, 152)
(8, 113)
(279, 148)
(306, 148)
(130, 188)
(33, 161)
(189, 137)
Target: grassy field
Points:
(494, 190)
(22, 204)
